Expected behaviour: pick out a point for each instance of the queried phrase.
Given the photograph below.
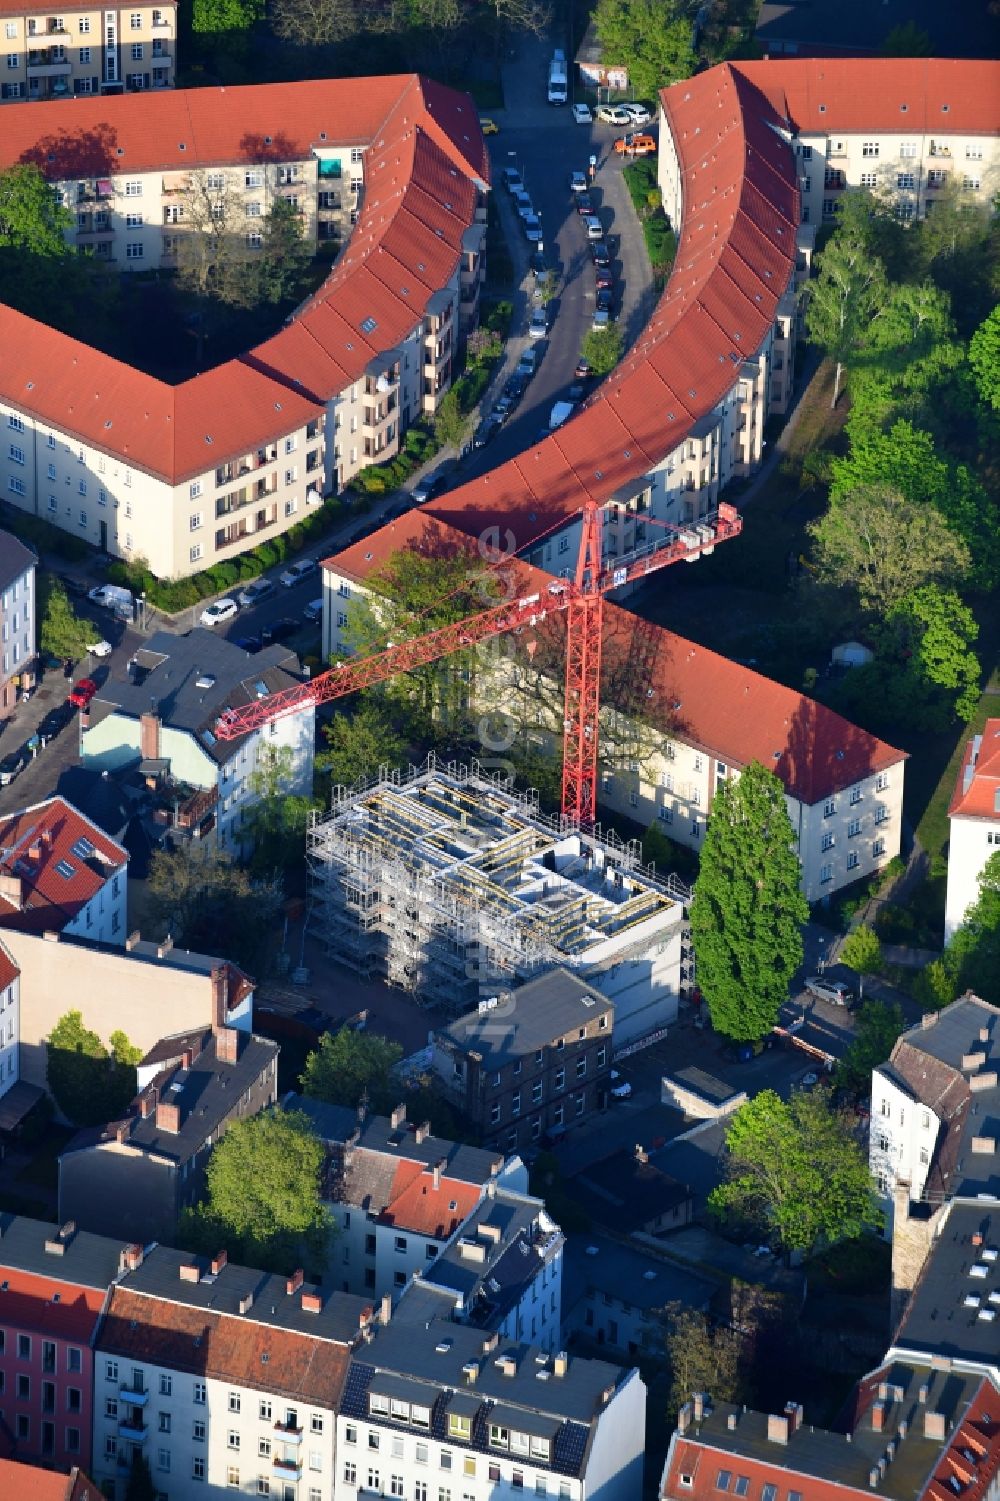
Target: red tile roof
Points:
(8, 969)
(56, 880)
(423, 168)
(741, 203)
(977, 791)
(717, 705)
(19, 1481)
(416, 1205)
(28, 1303)
(977, 1439)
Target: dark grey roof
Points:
(170, 1048)
(393, 1144)
(625, 1193)
(207, 1094)
(530, 1017)
(15, 558)
(159, 1277)
(954, 1309)
(171, 674)
(699, 1081)
(99, 797)
(515, 1237)
(962, 29)
(597, 1264)
(953, 1032)
(332, 1122)
(86, 1260)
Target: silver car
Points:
(834, 992)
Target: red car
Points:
(83, 693)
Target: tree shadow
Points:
(76, 154)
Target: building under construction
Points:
(452, 886)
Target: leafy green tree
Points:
(876, 542)
(209, 17)
(876, 1028)
(263, 1198)
(702, 1356)
(359, 744)
(795, 1172)
(653, 39)
(934, 632)
(603, 347)
(348, 1065)
(62, 631)
(862, 951)
(208, 902)
(450, 423)
(276, 819)
(747, 909)
(907, 40)
(32, 215)
(285, 253)
(89, 1085)
(984, 357)
(845, 299)
(972, 959)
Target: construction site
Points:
(451, 885)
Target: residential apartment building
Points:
(615, 1295)
(682, 719)
(61, 874)
(226, 1378)
(17, 615)
(973, 823)
(10, 1022)
(431, 1407)
(164, 720)
(133, 1177)
(55, 1284)
(397, 1193)
(934, 1107)
(81, 51)
(189, 475)
(531, 1062)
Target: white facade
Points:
(903, 1134)
(104, 919)
(974, 824)
(10, 1024)
(17, 620)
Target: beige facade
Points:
(909, 168)
(64, 54)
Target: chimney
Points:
(973, 1060)
(777, 1428)
(168, 1117)
(148, 1101)
(471, 1371)
(422, 1132)
(149, 737)
(983, 1146)
(131, 941)
(220, 995)
(922, 1393)
(246, 1303)
(560, 1364)
(934, 1425)
(398, 1117)
(189, 1271)
(684, 1418)
(980, 1082)
(878, 1417)
(641, 1155)
(437, 1176)
(227, 1045)
(984, 1034)
(312, 1303)
(793, 1412)
(490, 1343)
(929, 1019)
(11, 891)
(35, 851)
(977, 1237)
(163, 949)
(130, 1259)
(385, 1308)
(218, 1262)
(123, 1130)
(295, 1281)
(731, 1422)
(698, 1399)
(873, 1479)
(187, 1058)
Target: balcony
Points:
(46, 63)
(133, 1430)
(161, 55)
(134, 1395)
(290, 1467)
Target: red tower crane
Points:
(583, 600)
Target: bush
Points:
(497, 317)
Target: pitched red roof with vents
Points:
(28, 1303)
(977, 791)
(40, 849)
(425, 164)
(416, 1205)
(19, 1480)
(9, 971)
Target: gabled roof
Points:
(977, 790)
(426, 160)
(17, 1479)
(61, 861)
(50, 1307)
(418, 1204)
(15, 558)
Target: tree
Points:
(934, 632)
(450, 423)
(747, 908)
(314, 23)
(349, 1065)
(875, 1031)
(862, 951)
(33, 217)
(276, 819)
(652, 39)
(907, 40)
(213, 16)
(359, 744)
(703, 1357)
(795, 1172)
(845, 299)
(140, 1486)
(602, 348)
(984, 357)
(873, 540)
(285, 255)
(62, 632)
(206, 902)
(89, 1085)
(263, 1201)
(972, 958)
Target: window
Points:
(459, 1426)
(198, 1430)
(137, 52)
(232, 1477)
(16, 454)
(24, 1347)
(350, 1473)
(254, 240)
(74, 1359)
(199, 1393)
(827, 842)
(350, 1434)
(73, 1440)
(852, 859)
(825, 874)
(869, 148)
(906, 181)
(233, 1439)
(252, 178)
(742, 1485)
(855, 795)
(11, 30)
(769, 1492)
(134, 250)
(878, 849)
(854, 828)
(133, 221)
(163, 1459)
(133, 189)
(869, 179)
(971, 183)
(164, 1422)
(936, 178)
(581, 1068)
(973, 152)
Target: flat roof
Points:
(85, 1259)
(954, 1310)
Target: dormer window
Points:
(378, 1406)
(459, 1426)
(499, 1437)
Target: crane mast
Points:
(583, 600)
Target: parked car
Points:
(584, 203)
(297, 572)
(219, 611)
(503, 408)
(485, 432)
(100, 649)
(836, 992)
(314, 610)
(13, 764)
(542, 281)
(582, 114)
(255, 592)
(431, 485)
(528, 363)
(56, 720)
(280, 630)
(583, 370)
(601, 319)
(522, 202)
(600, 252)
(533, 229)
(578, 182)
(538, 263)
(621, 1089)
(593, 227)
(82, 694)
(604, 299)
(539, 325)
(613, 114)
(512, 179)
(603, 278)
(112, 597)
(514, 387)
(490, 127)
(638, 113)
(249, 643)
(636, 145)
